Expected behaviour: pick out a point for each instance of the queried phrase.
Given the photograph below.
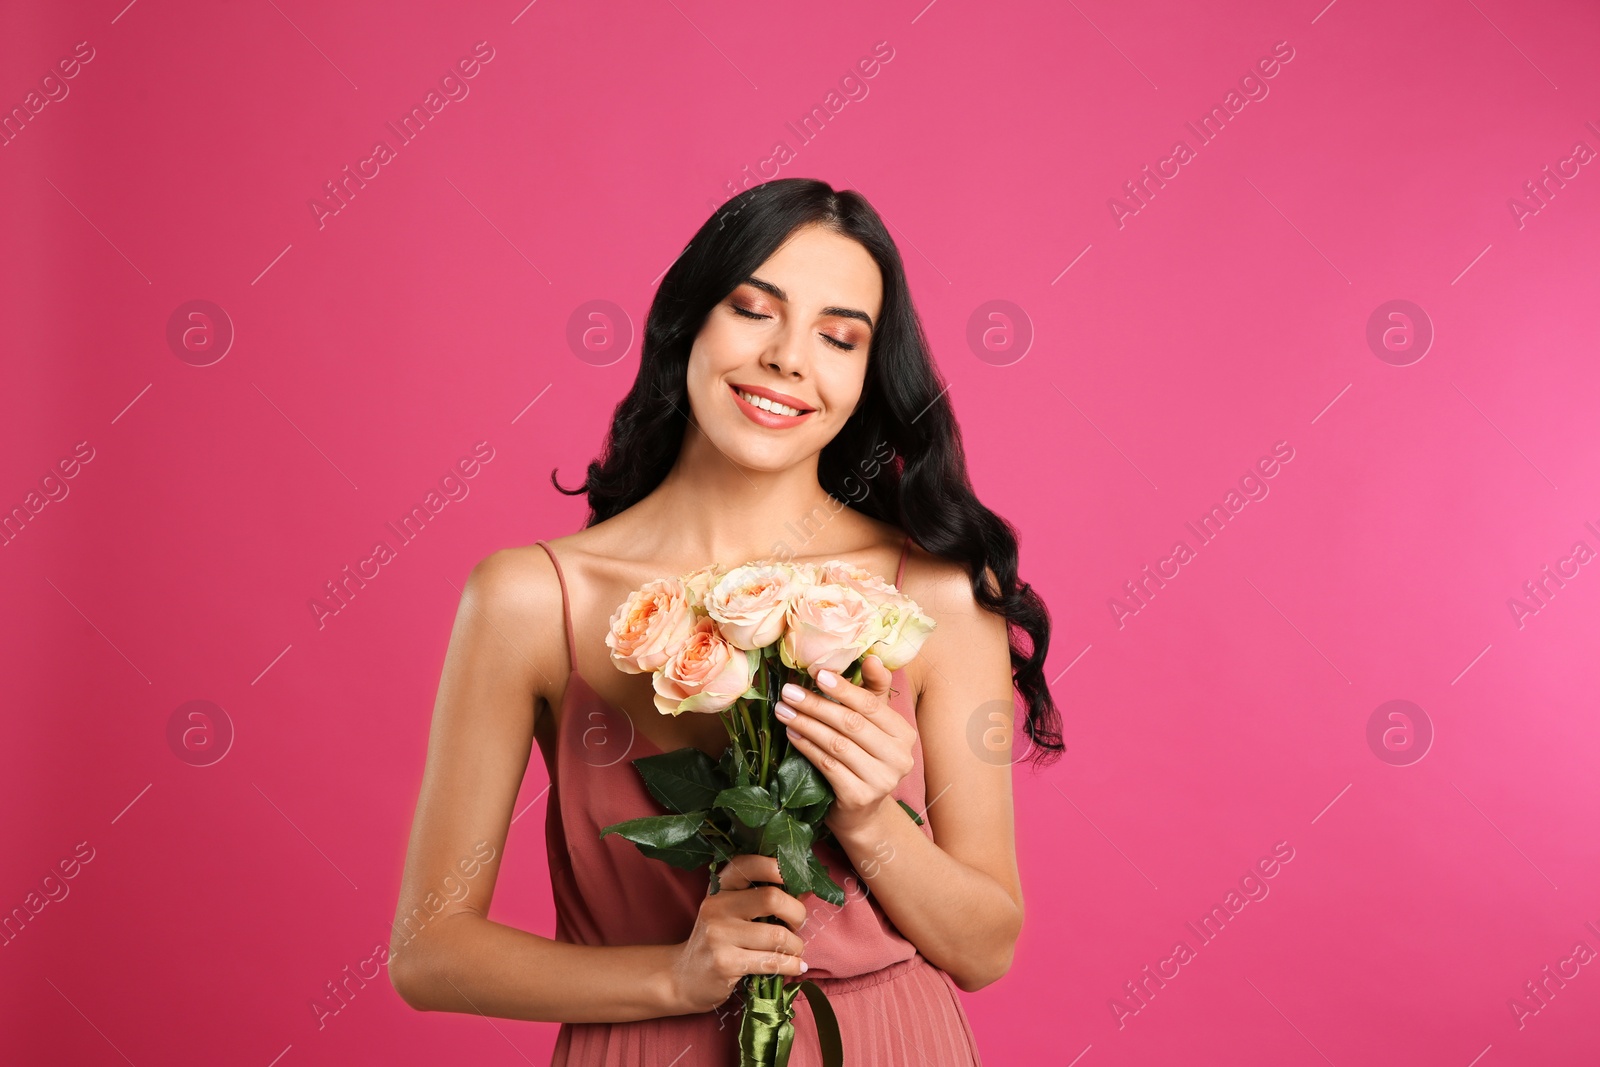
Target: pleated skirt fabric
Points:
(906, 1013)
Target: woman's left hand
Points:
(861, 745)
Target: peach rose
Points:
(903, 629)
(829, 627)
(699, 583)
(804, 573)
(870, 585)
(650, 626)
(750, 601)
(707, 674)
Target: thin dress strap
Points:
(905, 550)
(566, 610)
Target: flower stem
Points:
(763, 678)
(766, 739)
(750, 734)
(730, 722)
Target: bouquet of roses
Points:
(724, 642)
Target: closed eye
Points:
(831, 340)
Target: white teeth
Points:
(768, 405)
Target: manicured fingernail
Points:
(783, 711)
(804, 966)
(826, 679)
(793, 692)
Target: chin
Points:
(770, 462)
(750, 451)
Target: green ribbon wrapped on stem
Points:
(766, 1033)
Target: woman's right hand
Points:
(728, 942)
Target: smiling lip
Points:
(771, 420)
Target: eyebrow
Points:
(848, 313)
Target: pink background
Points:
(1231, 712)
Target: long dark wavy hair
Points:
(923, 487)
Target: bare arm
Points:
(445, 953)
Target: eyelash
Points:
(831, 340)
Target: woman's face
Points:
(798, 331)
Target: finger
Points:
(865, 697)
(770, 963)
(876, 680)
(841, 760)
(746, 868)
(863, 716)
(875, 677)
(752, 904)
(768, 937)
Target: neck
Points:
(711, 509)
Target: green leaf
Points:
(728, 765)
(752, 804)
(721, 850)
(730, 768)
(799, 783)
(812, 814)
(658, 831)
(909, 810)
(790, 841)
(745, 838)
(683, 781)
(689, 855)
(822, 883)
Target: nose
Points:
(787, 355)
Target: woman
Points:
(783, 374)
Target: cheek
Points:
(842, 393)
(700, 380)
(716, 351)
(708, 358)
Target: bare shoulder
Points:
(515, 580)
(939, 584)
(582, 548)
(964, 629)
(592, 560)
(513, 599)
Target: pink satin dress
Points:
(894, 1007)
